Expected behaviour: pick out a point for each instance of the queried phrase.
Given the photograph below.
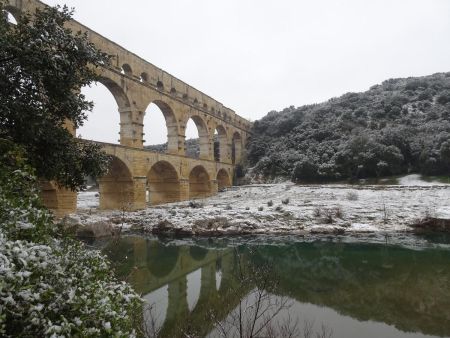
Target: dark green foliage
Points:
(400, 126)
(42, 67)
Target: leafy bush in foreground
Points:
(50, 286)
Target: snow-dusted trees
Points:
(400, 126)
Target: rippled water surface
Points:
(379, 287)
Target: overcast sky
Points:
(255, 56)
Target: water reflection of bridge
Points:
(185, 282)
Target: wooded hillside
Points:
(397, 127)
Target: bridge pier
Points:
(131, 127)
(60, 201)
(122, 193)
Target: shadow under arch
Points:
(236, 148)
(161, 259)
(220, 144)
(203, 135)
(199, 183)
(171, 124)
(116, 187)
(223, 179)
(163, 183)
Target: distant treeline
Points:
(398, 127)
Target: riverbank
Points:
(284, 208)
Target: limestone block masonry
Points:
(138, 176)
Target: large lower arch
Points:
(170, 121)
(116, 187)
(199, 183)
(161, 259)
(163, 184)
(223, 179)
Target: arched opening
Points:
(236, 148)
(116, 187)
(218, 273)
(196, 138)
(126, 69)
(161, 259)
(163, 185)
(194, 283)
(155, 309)
(197, 252)
(103, 122)
(11, 14)
(144, 77)
(220, 144)
(157, 137)
(199, 183)
(223, 179)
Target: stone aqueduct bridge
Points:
(135, 84)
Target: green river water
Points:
(349, 287)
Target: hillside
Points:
(400, 126)
(192, 147)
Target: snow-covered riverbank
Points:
(285, 208)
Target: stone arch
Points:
(203, 135)
(223, 179)
(116, 91)
(197, 252)
(236, 148)
(199, 183)
(163, 183)
(171, 124)
(126, 69)
(14, 11)
(107, 113)
(220, 144)
(218, 273)
(116, 187)
(144, 77)
(193, 288)
(161, 259)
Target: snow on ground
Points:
(415, 180)
(312, 209)
(87, 200)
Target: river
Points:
(331, 286)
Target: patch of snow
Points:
(415, 179)
(363, 227)
(245, 209)
(87, 200)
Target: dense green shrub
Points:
(400, 126)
